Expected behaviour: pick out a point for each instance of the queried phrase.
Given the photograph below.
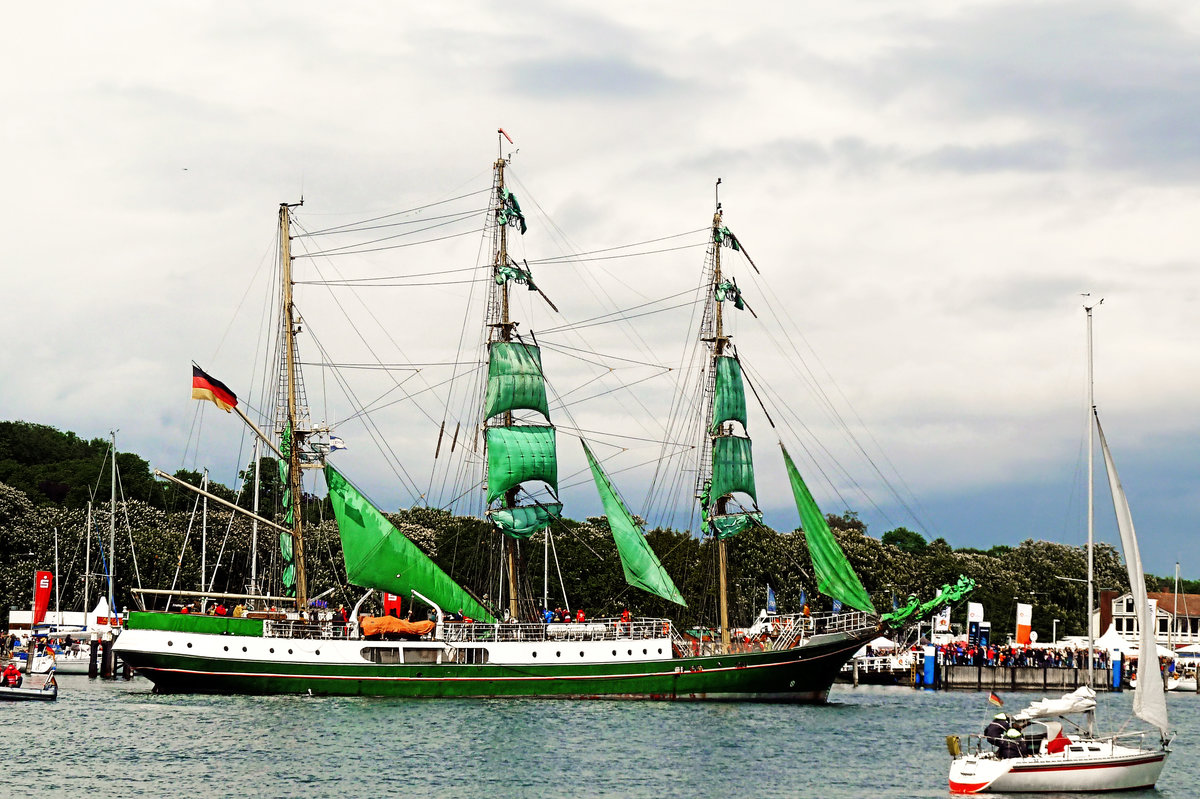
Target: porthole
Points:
(289, 651)
(614, 653)
(243, 649)
(189, 644)
(581, 653)
(272, 650)
(170, 643)
(644, 652)
(660, 650)
(535, 654)
(558, 654)
(319, 652)
(226, 648)
(629, 651)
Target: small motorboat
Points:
(34, 687)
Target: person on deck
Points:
(579, 617)
(1012, 745)
(625, 621)
(11, 676)
(547, 615)
(996, 729)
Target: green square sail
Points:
(515, 379)
(525, 520)
(517, 454)
(835, 575)
(732, 467)
(379, 556)
(642, 568)
(729, 400)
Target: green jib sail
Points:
(835, 575)
(517, 454)
(732, 467)
(642, 568)
(729, 400)
(514, 379)
(525, 520)
(379, 556)
(289, 515)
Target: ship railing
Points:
(854, 621)
(978, 745)
(593, 630)
(295, 628)
(786, 630)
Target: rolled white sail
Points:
(1149, 697)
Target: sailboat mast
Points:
(254, 523)
(720, 506)
(510, 497)
(1091, 425)
(294, 470)
(87, 560)
(112, 528)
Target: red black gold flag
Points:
(209, 388)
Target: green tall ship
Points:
(469, 647)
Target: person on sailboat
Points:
(1012, 745)
(11, 676)
(996, 729)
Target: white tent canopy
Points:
(880, 644)
(1113, 640)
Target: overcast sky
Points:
(928, 190)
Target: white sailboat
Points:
(1049, 759)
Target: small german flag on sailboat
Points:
(205, 387)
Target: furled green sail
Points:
(509, 212)
(379, 556)
(642, 567)
(730, 524)
(517, 454)
(289, 514)
(732, 467)
(835, 575)
(515, 380)
(729, 399)
(525, 520)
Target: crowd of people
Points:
(962, 654)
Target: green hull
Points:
(803, 674)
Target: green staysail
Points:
(729, 400)
(517, 454)
(732, 467)
(514, 379)
(379, 556)
(835, 575)
(525, 520)
(642, 568)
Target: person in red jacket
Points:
(579, 617)
(11, 676)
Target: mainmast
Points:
(1091, 434)
(504, 329)
(292, 452)
(718, 348)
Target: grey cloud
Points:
(1033, 155)
(596, 76)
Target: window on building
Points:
(1120, 625)
(1162, 626)
(1129, 605)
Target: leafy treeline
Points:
(45, 477)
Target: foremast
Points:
(516, 453)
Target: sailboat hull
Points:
(1117, 768)
(646, 669)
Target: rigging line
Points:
(448, 221)
(350, 284)
(612, 249)
(399, 367)
(768, 294)
(401, 213)
(608, 434)
(558, 347)
(603, 321)
(405, 398)
(342, 251)
(571, 259)
(347, 228)
(563, 405)
(618, 312)
(367, 280)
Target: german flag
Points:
(209, 388)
